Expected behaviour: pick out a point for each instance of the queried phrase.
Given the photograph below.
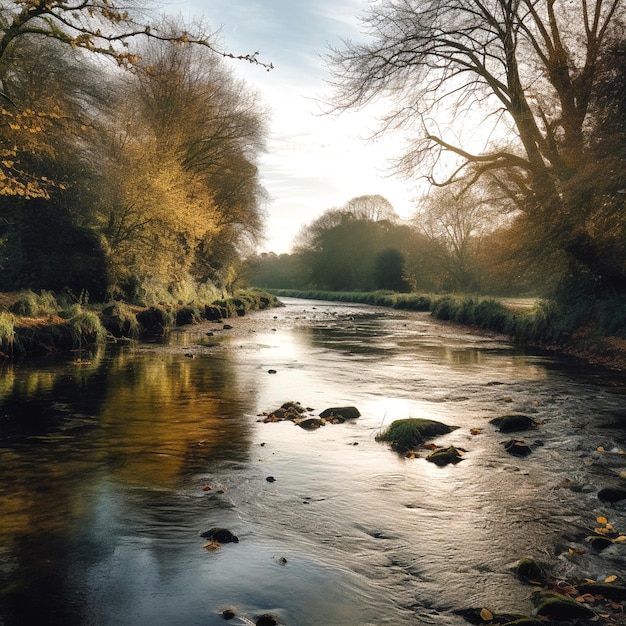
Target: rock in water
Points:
(221, 535)
(343, 412)
(512, 423)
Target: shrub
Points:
(29, 304)
(187, 315)
(120, 321)
(155, 320)
(87, 328)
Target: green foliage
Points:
(120, 320)
(155, 320)
(29, 304)
(7, 331)
(87, 328)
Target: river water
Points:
(110, 468)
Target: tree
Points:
(179, 190)
(105, 28)
(500, 89)
(456, 220)
(372, 207)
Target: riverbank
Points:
(596, 337)
(33, 323)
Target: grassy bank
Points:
(33, 323)
(594, 330)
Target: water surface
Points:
(111, 469)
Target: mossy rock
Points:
(407, 434)
(528, 570)
(445, 456)
(617, 593)
(560, 608)
(513, 423)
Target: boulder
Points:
(612, 494)
(528, 570)
(407, 434)
(513, 423)
(342, 412)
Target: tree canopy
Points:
(151, 172)
(509, 91)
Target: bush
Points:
(29, 304)
(120, 321)
(187, 315)
(87, 328)
(155, 320)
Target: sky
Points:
(314, 161)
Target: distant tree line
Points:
(128, 153)
(515, 112)
(450, 244)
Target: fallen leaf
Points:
(476, 431)
(207, 488)
(212, 545)
(486, 615)
(620, 539)
(600, 449)
(610, 579)
(601, 520)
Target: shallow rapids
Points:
(110, 469)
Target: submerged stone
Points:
(311, 423)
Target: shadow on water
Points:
(109, 471)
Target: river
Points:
(112, 466)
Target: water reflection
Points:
(110, 470)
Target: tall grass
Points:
(7, 332)
(30, 304)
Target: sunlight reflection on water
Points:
(109, 475)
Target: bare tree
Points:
(504, 88)
(372, 207)
(101, 26)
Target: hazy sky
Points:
(314, 162)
